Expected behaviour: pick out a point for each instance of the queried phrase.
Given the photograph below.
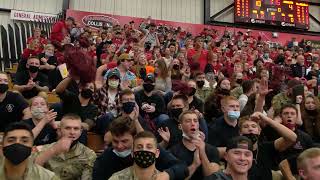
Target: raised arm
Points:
(288, 137)
(62, 86)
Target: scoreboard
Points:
(273, 12)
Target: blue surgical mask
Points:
(233, 115)
(122, 154)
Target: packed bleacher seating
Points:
(95, 101)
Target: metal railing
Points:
(14, 38)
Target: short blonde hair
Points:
(227, 99)
(181, 116)
(305, 155)
(48, 46)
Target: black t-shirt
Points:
(304, 141)
(22, 78)
(175, 132)
(23, 62)
(263, 162)
(220, 175)
(220, 132)
(89, 112)
(197, 104)
(185, 155)
(46, 136)
(11, 109)
(70, 102)
(142, 98)
(103, 169)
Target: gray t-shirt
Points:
(220, 175)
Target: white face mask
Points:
(194, 136)
(122, 154)
(38, 112)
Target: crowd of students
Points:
(168, 104)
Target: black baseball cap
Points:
(149, 78)
(241, 142)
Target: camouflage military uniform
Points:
(73, 165)
(33, 172)
(278, 101)
(128, 174)
(204, 93)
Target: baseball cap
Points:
(112, 72)
(241, 142)
(149, 78)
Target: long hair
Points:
(162, 68)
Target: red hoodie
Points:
(59, 31)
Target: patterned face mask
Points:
(144, 159)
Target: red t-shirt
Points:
(203, 59)
(59, 31)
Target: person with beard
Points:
(203, 87)
(13, 107)
(42, 122)
(123, 129)
(67, 157)
(310, 114)
(264, 151)
(15, 161)
(226, 126)
(212, 105)
(145, 153)
(170, 131)
(239, 157)
(31, 82)
(202, 159)
(151, 105)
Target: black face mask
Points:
(86, 93)
(144, 159)
(239, 81)
(200, 84)
(224, 92)
(33, 69)
(176, 67)
(3, 88)
(253, 137)
(175, 113)
(16, 153)
(128, 107)
(148, 87)
(193, 92)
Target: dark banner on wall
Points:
(98, 20)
